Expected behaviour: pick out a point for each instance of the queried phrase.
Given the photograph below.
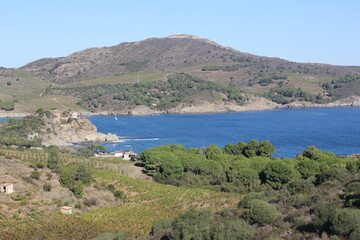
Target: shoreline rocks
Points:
(254, 103)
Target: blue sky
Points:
(302, 31)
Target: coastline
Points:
(255, 104)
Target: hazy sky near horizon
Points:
(321, 31)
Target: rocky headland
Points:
(45, 128)
(77, 131)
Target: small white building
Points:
(119, 154)
(7, 188)
(129, 154)
(74, 115)
(66, 210)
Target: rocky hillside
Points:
(167, 54)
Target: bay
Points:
(289, 130)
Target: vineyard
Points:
(145, 202)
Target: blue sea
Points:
(289, 130)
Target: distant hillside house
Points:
(74, 115)
(125, 155)
(66, 210)
(7, 188)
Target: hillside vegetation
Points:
(158, 95)
(313, 196)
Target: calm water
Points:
(289, 130)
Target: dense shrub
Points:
(66, 178)
(119, 194)
(261, 212)
(112, 236)
(192, 225)
(244, 203)
(77, 189)
(300, 186)
(35, 175)
(47, 187)
(90, 202)
(111, 188)
(332, 174)
(353, 186)
(355, 235)
(344, 221)
(162, 227)
(231, 229)
(323, 214)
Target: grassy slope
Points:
(32, 101)
(28, 87)
(134, 77)
(146, 203)
(149, 202)
(48, 102)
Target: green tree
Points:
(229, 148)
(97, 147)
(66, 178)
(83, 174)
(53, 159)
(308, 168)
(84, 151)
(317, 155)
(170, 165)
(246, 177)
(77, 189)
(278, 173)
(265, 149)
(251, 149)
(212, 151)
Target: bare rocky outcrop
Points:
(252, 104)
(352, 101)
(77, 131)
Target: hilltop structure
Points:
(7, 188)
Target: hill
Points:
(92, 76)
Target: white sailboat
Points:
(115, 117)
